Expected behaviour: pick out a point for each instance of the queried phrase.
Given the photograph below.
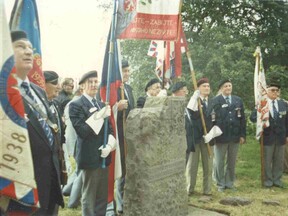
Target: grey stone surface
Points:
(155, 136)
(235, 201)
(271, 202)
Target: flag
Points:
(260, 93)
(17, 181)
(25, 17)
(170, 51)
(115, 81)
(148, 19)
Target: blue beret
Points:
(177, 86)
(17, 35)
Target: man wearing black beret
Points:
(41, 128)
(228, 114)
(152, 89)
(86, 113)
(179, 89)
(52, 89)
(274, 137)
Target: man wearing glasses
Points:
(66, 94)
(274, 137)
(152, 89)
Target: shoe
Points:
(279, 185)
(120, 213)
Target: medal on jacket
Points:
(213, 116)
(238, 112)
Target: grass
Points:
(248, 185)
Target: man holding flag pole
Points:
(272, 125)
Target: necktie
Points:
(228, 101)
(275, 112)
(42, 121)
(95, 103)
(205, 103)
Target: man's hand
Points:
(242, 140)
(105, 151)
(286, 141)
(122, 104)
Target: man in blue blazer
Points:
(274, 137)
(87, 114)
(227, 112)
(41, 135)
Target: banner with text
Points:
(148, 19)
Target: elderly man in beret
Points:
(274, 137)
(195, 141)
(87, 115)
(227, 112)
(179, 89)
(40, 129)
(52, 89)
(152, 89)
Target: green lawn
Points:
(248, 186)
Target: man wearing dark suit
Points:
(230, 118)
(195, 134)
(52, 89)
(86, 113)
(274, 137)
(152, 89)
(124, 106)
(42, 139)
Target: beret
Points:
(273, 83)
(177, 86)
(17, 35)
(151, 82)
(88, 75)
(50, 76)
(202, 81)
(125, 63)
(222, 82)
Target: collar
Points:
(89, 97)
(20, 81)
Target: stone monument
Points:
(156, 146)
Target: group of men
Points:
(92, 147)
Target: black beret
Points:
(202, 81)
(17, 35)
(125, 63)
(151, 82)
(50, 76)
(88, 75)
(273, 83)
(177, 86)
(222, 82)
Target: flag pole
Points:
(257, 56)
(110, 68)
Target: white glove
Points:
(105, 151)
(122, 104)
(110, 146)
(214, 132)
(193, 103)
(103, 113)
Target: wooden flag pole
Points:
(257, 56)
(124, 120)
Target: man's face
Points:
(52, 89)
(226, 89)
(23, 56)
(154, 89)
(181, 92)
(68, 87)
(125, 74)
(204, 89)
(273, 92)
(90, 86)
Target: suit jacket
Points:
(193, 125)
(141, 101)
(278, 129)
(229, 118)
(87, 154)
(45, 156)
(120, 122)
